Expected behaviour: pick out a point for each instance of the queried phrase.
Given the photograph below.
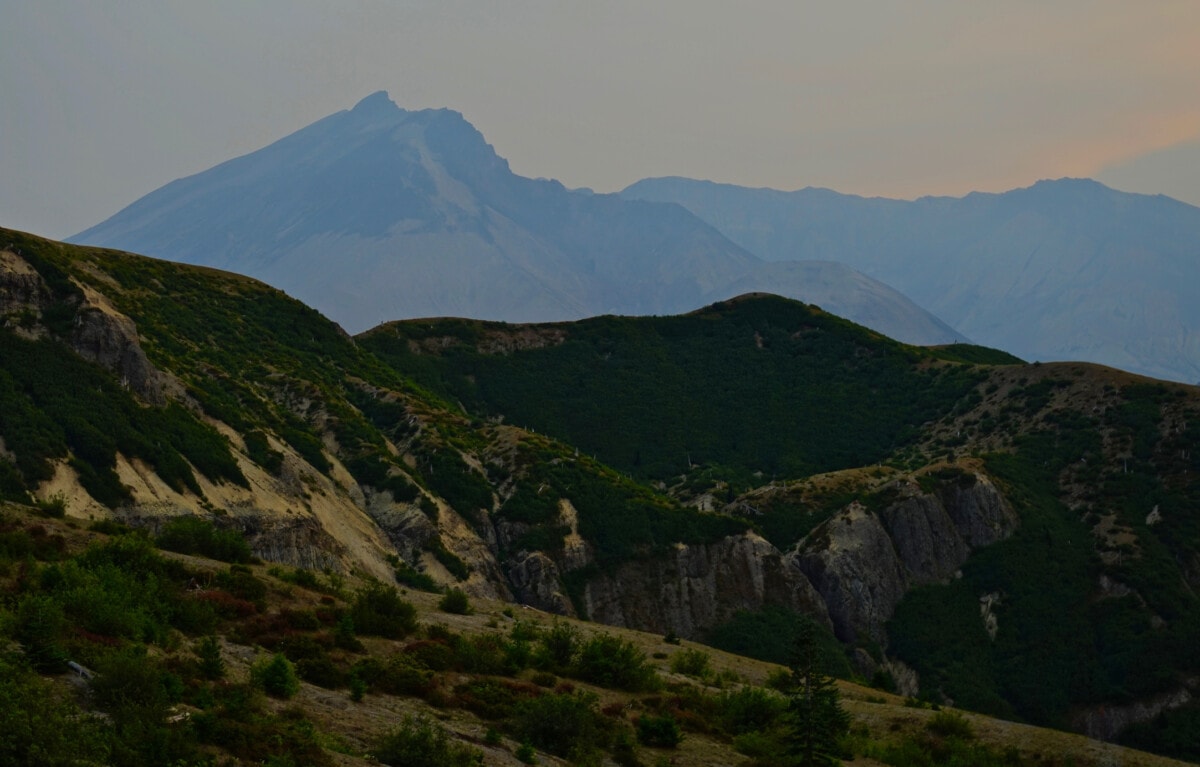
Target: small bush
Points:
(950, 724)
(110, 527)
(421, 743)
(212, 666)
(321, 671)
(239, 581)
(55, 506)
(615, 663)
(407, 575)
(379, 611)
(456, 602)
(557, 647)
(276, 677)
(526, 753)
(567, 725)
(40, 625)
(192, 535)
(749, 709)
(691, 662)
(658, 731)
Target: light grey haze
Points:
(102, 102)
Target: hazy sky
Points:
(101, 102)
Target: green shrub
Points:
(192, 535)
(208, 650)
(261, 452)
(40, 728)
(608, 661)
(407, 575)
(567, 725)
(749, 709)
(456, 602)
(691, 662)
(658, 731)
(950, 724)
(379, 611)
(241, 582)
(55, 506)
(39, 627)
(276, 676)
(358, 688)
(421, 743)
(557, 647)
(321, 671)
(403, 674)
(526, 753)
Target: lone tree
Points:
(815, 717)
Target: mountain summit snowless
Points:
(378, 213)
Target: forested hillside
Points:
(1017, 538)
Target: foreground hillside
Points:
(121, 652)
(1018, 539)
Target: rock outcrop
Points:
(697, 587)
(1106, 722)
(862, 562)
(21, 287)
(852, 563)
(110, 339)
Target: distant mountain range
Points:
(378, 213)
(1062, 270)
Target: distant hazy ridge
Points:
(377, 214)
(1062, 270)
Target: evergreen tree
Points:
(815, 715)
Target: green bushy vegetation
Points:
(455, 601)
(620, 518)
(422, 743)
(192, 535)
(378, 610)
(783, 389)
(53, 403)
(770, 634)
(1055, 649)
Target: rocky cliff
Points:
(862, 562)
(698, 587)
(849, 573)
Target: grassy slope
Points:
(280, 612)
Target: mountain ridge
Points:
(1063, 269)
(377, 213)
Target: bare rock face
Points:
(862, 563)
(405, 525)
(1106, 722)
(853, 565)
(979, 511)
(21, 287)
(700, 586)
(100, 333)
(534, 578)
(109, 338)
(924, 538)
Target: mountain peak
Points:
(377, 103)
